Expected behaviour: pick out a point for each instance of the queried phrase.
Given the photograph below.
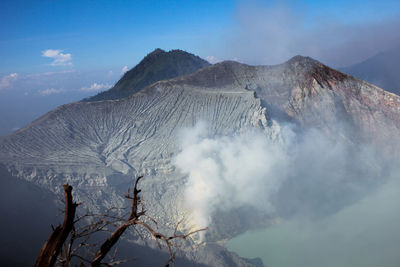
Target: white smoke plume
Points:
(305, 174)
(228, 171)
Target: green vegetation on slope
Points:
(156, 66)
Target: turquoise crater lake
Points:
(365, 234)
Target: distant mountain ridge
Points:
(382, 70)
(156, 66)
(98, 146)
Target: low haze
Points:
(274, 31)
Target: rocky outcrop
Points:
(305, 92)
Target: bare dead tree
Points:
(114, 237)
(85, 227)
(135, 219)
(50, 250)
(80, 234)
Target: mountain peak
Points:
(303, 60)
(157, 65)
(157, 51)
(313, 69)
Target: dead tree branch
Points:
(79, 234)
(50, 250)
(135, 219)
(110, 242)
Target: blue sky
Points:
(54, 52)
(101, 34)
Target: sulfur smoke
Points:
(228, 171)
(298, 175)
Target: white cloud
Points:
(50, 91)
(6, 81)
(96, 87)
(59, 58)
(124, 69)
(213, 59)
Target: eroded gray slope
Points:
(109, 134)
(302, 89)
(104, 144)
(98, 147)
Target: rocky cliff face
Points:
(310, 94)
(98, 147)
